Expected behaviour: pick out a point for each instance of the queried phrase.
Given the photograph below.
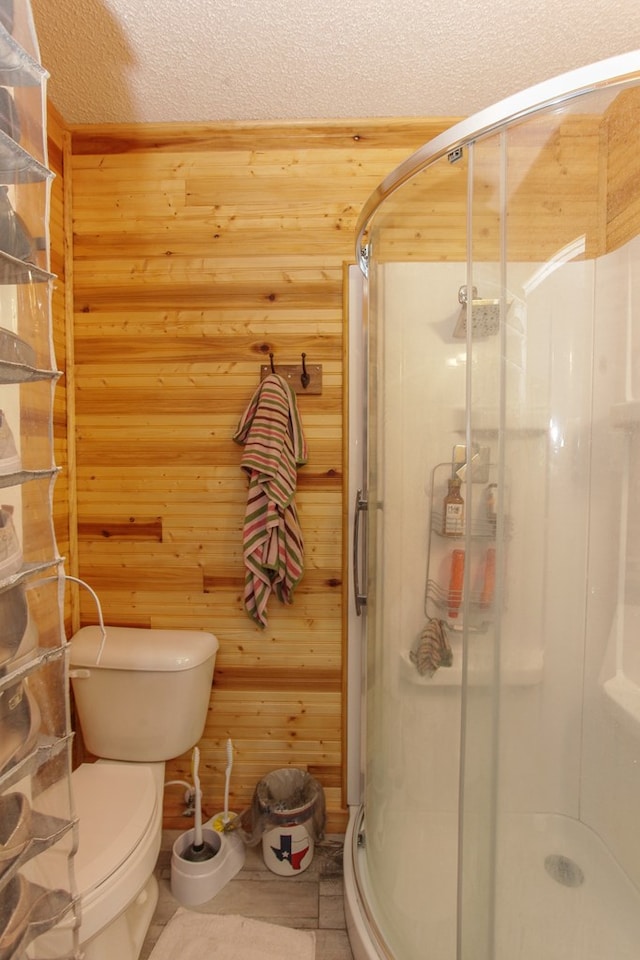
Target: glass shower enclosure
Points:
(495, 803)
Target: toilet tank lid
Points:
(138, 648)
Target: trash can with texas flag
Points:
(292, 810)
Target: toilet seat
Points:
(120, 819)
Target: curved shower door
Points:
(542, 871)
(502, 680)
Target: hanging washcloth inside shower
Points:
(432, 649)
(274, 447)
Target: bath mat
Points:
(206, 936)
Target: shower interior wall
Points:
(559, 747)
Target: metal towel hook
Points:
(273, 367)
(305, 379)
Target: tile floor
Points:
(311, 901)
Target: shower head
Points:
(485, 315)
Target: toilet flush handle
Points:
(81, 673)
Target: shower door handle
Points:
(360, 598)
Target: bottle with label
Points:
(456, 582)
(453, 510)
(491, 503)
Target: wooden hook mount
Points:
(303, 377)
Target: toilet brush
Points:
(222, 819)
(199, 850)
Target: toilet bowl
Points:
(120, 803)
(119, 810)
(143, 703)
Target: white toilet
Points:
(142, 703)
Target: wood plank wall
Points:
(552, 188)
(196, 252)
(621, 146)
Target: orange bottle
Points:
(488, 589)
(456, 581)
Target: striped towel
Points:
(433, 649)
(274, 447)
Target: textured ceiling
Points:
(217, 60)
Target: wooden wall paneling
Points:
(552, 196)
(622, 142)
(196, 253)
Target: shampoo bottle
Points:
(453, 510)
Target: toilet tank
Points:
(145, 697)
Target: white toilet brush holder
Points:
(203, 859)
(195, 882)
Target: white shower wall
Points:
(611, 755)
(561, 750)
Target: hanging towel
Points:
(432, 649)
(274, 447)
